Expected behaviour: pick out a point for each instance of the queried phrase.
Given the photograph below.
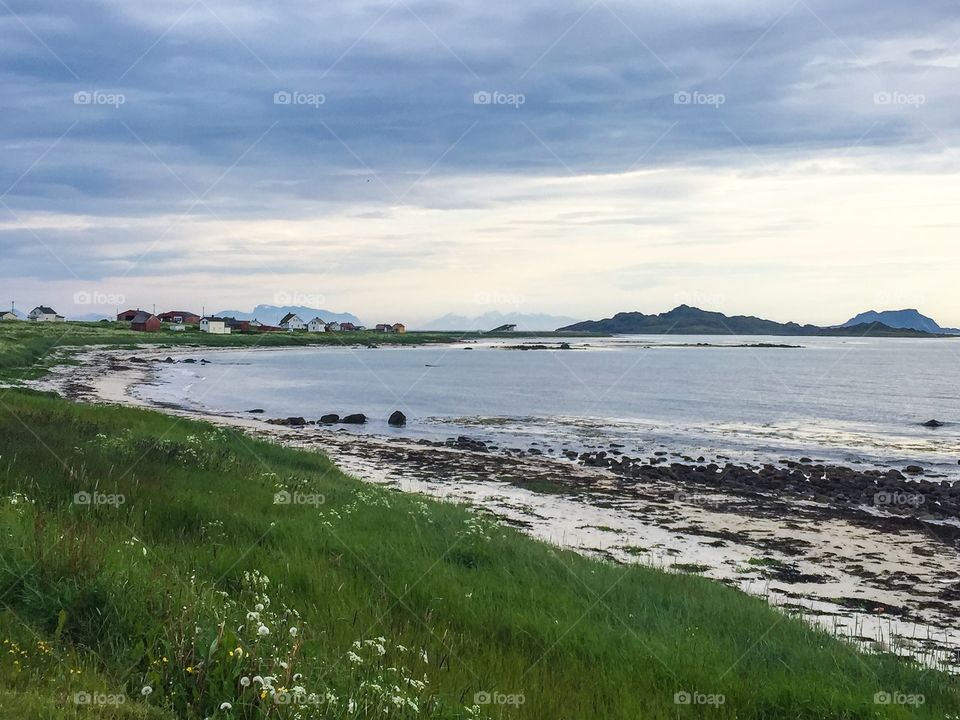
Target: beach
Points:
(869, 554)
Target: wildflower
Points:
(258, 607)
(226, 706)
(263, 630)
(245, 681)
(146, 690)
(253, 616)
(293, 632)
(354, 658)
(190, 669)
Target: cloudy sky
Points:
(401, 159)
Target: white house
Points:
(292, 322)
(214, 326)
(8, 315)
(42, 313)
(316, 325)
(333, 327)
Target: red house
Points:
(180, 317)
(127, 315)
(145, 322)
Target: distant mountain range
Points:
(686, 320)
(910, 319)
(272, 314)
(492, 319)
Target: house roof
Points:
(217, 319)
(319, 320)
(177, 312)
(288, 317)
(141, 317)
(45, 310)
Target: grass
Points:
(133, 546)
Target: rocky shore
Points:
(872, 555)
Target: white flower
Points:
(354, 658)
(226, 706)
(257, 678)
(293, 632)
(245, 681)
(146, 690)
(253, 616)
(423, 656)
(263, 630)
(258, 607)
(351, 706)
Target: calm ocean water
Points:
(837, 399)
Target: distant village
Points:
(180, 320)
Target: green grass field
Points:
(134, 549)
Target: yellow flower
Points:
(190, 669)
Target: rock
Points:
(135, 359)
(292, 421)
(354, 419)
(932, 424)
(397, 419)
(256, 411)
(189, 361)
(913, 469)
(330, 418)
(169, 359)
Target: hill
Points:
(686, 320)
(905, 319)
(272, 314)
(525, 322)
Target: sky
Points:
(401, 159)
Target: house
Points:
(399, 328)
(145, 322)
(333, 327)
(214, 326)
(348, 327)
(127, 315)
(316, 325)
(237, 326)
(292, 321)
(384, 327)
(42, 313)
(180, 317)
(8, 315)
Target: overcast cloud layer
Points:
(791, 159)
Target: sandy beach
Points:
(800, 535)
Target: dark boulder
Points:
(397, 418)
(354, 419)
(913, 469)
(189, 361)
(933, 424)
(294, 421)
(330, 418)
(256, 411)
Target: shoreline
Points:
(884, 580)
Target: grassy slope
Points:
(118, 592)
